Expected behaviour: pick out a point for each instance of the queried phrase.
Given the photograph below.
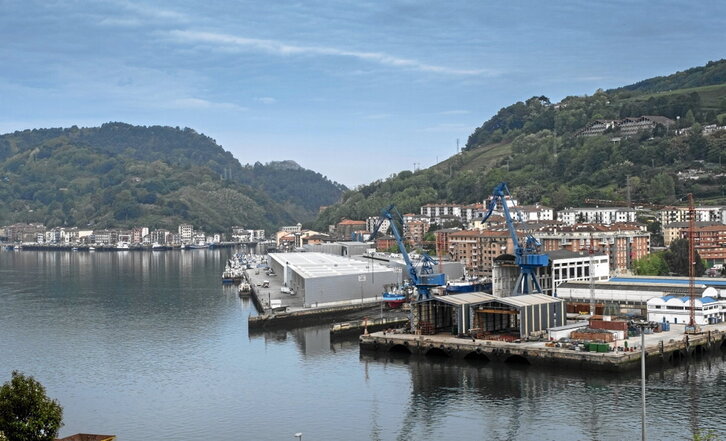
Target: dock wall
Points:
(539, 355)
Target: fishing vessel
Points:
(395, 295)
(468, 285)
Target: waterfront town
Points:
(589, 270)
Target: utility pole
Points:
(591, 252)
(627, 184)
(643, 325)
(691, 263)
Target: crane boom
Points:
(427, 279)
(526, 253)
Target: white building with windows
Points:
(536, 213)
(670, 215)
(596, 215)
(186, 233)
(574, 266)
(677, 309)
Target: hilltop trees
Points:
(673, 261)
(676, 256)
(26, 413)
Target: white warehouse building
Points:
(674, 309)
(321, 278)
(626, 293)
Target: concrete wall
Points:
(345, 287)
(453, 270)
(539, 317)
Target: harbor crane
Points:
(526, 251)
(423, 280)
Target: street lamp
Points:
(643, 325)
(298, 436)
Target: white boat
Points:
(122, 246)
(91, 248)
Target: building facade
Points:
(596, 215)
(623, 243)
(478, 249)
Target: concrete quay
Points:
(661, 349)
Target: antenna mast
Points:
(691, 262)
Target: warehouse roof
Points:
(475, 298)
(323, 265)
(527, 300)
(708, 281)
(469, 298)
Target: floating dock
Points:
(661, 348)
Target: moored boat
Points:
(468, 285)
(395, 295)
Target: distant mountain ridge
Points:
(119, 174)
(535, 147)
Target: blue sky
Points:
(356, 90)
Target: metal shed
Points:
(537, 312)
(485, 313)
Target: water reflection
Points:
(528, 402)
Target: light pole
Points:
(298, 436)
(643, 325)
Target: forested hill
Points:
(535, 146)
(122, 175)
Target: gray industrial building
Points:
(478, 312)
(320, 278)
(340, 248)
(453, 270)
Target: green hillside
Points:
(123, 175)
(534, 145)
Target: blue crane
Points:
(426, 278)
(526, 252)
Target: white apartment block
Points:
(597, 215)
(373, 220)
(536, 213)
(186, 233)
(440, 213)
(670, 215)
(292, 228)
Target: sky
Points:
(356, 90)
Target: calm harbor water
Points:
(149, 345)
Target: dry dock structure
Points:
(661, 348)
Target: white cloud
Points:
(454, 112)
(120, 22)
(378, 116)
(153, 12)
(448, 128)
(198, 103)
(266, 100)
(227, 42)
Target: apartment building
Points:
(596, 215)
(439, 214)
(709, 239)
(476, 250)
(415, 231)
(669, 215)
(623, 243)
(536, 213)
(625, 127)
(186, 233)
